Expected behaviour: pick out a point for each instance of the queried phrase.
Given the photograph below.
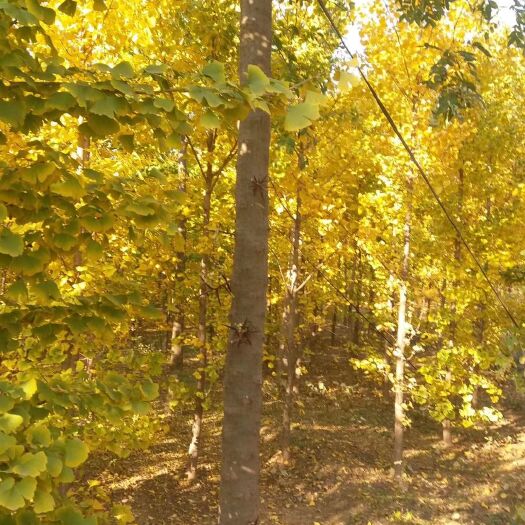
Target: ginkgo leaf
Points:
(76, 452)
(215, 70)
(156, 69)
(43, 502)
(11, 243)
(12, 112)
(164, 103)
(150, 390)
(257, 80)
(54, 465)
(6, 442)
(209, 120)
(17, 291)
(347, 81)
(30, 464)
(45, 14)
(123, 70)
(99, 126)
(29, 387)
(10, 422)
(69, 187)
(40, 435)
(14, 493)
(106, 106)
(27, 264)
(301, 116)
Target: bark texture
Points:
(239, 490)
(399, 413)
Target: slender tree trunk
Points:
(290, 346)
(178, 318)
(202, 332)
(356, 325)
(239, 489)
(333, 326)
(399, 386)
(447, 426)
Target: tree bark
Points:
(447, 426)
(239, 489)
(202, 332)
(178, 319)
(290, 347)
(399, 386)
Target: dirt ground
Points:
(341, 474)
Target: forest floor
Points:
(342, 470)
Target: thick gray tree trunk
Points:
(239, 489)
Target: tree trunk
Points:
(333, 328)
(176, 361)
(202, 332)
(290, 347)
(399, 386)
(356, 325)
(239, 489)
(447, 426)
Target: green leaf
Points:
(156, 69)
(76, 453)
(46, 291)
(64, 241)
(27, 264)
(97, 222)
(164, 103)
(69, 516)
(99, 5)
(12, 112)
(209, 120)
(107, 106)
(10, 422)
(29, 387)
(122, 70)
(67, 475)
(54, 465)
(40, 435)
(94, 250)
(150, 390)
(3, 139)
(215, 70)
(3, 212)
(140, 208)
(301, 116)
(45, 14)
(68, 7)
(6, 442)
(43, 502)
(69, 187)
(99, 126)
(257, 81)
(12, 493)
(6, 403)
(17, 291)
(11, 243)
(30, 464)
(61, 101)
